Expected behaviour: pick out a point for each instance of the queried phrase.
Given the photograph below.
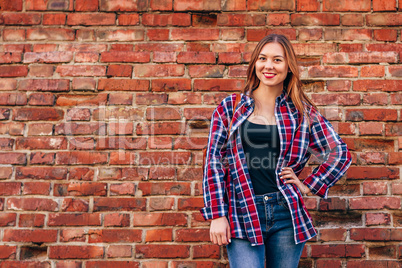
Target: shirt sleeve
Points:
(214, 171)
(325, 143)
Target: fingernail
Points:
(230, 241)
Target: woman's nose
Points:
(268, 64)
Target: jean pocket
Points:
(283, 203)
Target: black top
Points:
(261, 145)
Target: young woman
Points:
(252, 192)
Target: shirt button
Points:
(266, 198)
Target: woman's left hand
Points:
(289, 176)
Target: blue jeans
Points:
(279, 249)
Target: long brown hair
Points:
(292, 83)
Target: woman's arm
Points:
(325, 142)
(213, 176)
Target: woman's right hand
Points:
(219, 231)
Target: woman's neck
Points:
(267, 96)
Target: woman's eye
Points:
(278, 60)
(261, 58)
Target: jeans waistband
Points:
(270, 197)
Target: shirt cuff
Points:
(316, 186)
(213, 212)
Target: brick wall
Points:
(104, 109)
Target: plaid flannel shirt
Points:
(232, 195)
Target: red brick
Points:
(162, 251)
(13, 158)
(372, 158)
(396, 188)
(15, 129)
(41, 99)
(7, 219)
(119, 251)
(12, 99)
(73, 235)
(50, 34)
(377, 219)
(232, 34)
(10, 6)
(160, 219)
(170, 85)
(333, 234)
(164, 188)
(36, 188)
(385, 35)
(41, 70)
(114, 236)
(125, 56)
(7, 252)
(82, 70)
(47, 143)
(123, 84)
(6, 144)
(63, 219)
(157, 203)
(44, 173)
(9, 57)
(395, 71)
(375, 203)
(21, 18)
(195, 34)
(159, 235)
(31, 220)
(192, 203)
(38, 236)
(384, 19)
(120, 99)
(225, 19)
(196, 57)
(56, 85)
(393, 130)
(116, 5)
(128, 19)
(6, 172)
(8, 84)
(159, 70)
(120, 128)
(116, 220)
(74, 205)
(86, 5)
(376, 85)
(344, 5)
(372, 71)
(373, 114)
(32, 204)
(82, 100)
(255, 35)
(122, 189)
(278, 19)
(80, 189)
(204, 5)
(308, 5)
(332, 71)
(164, 56)
(80, 158)
(162, 5)
(352, 20)
(119, 70)
(206, 251)
(117, 264)
(165, 128)
(348, 34)
(120, 204)
(192, 235)
(273, 5)
(218, 84)
(75, 252)
(374, 188)
(13, 71)
(322, 19)
(384, 5)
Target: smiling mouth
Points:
(269, 75)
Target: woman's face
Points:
(271, 66)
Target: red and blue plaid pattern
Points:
(233, 196)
